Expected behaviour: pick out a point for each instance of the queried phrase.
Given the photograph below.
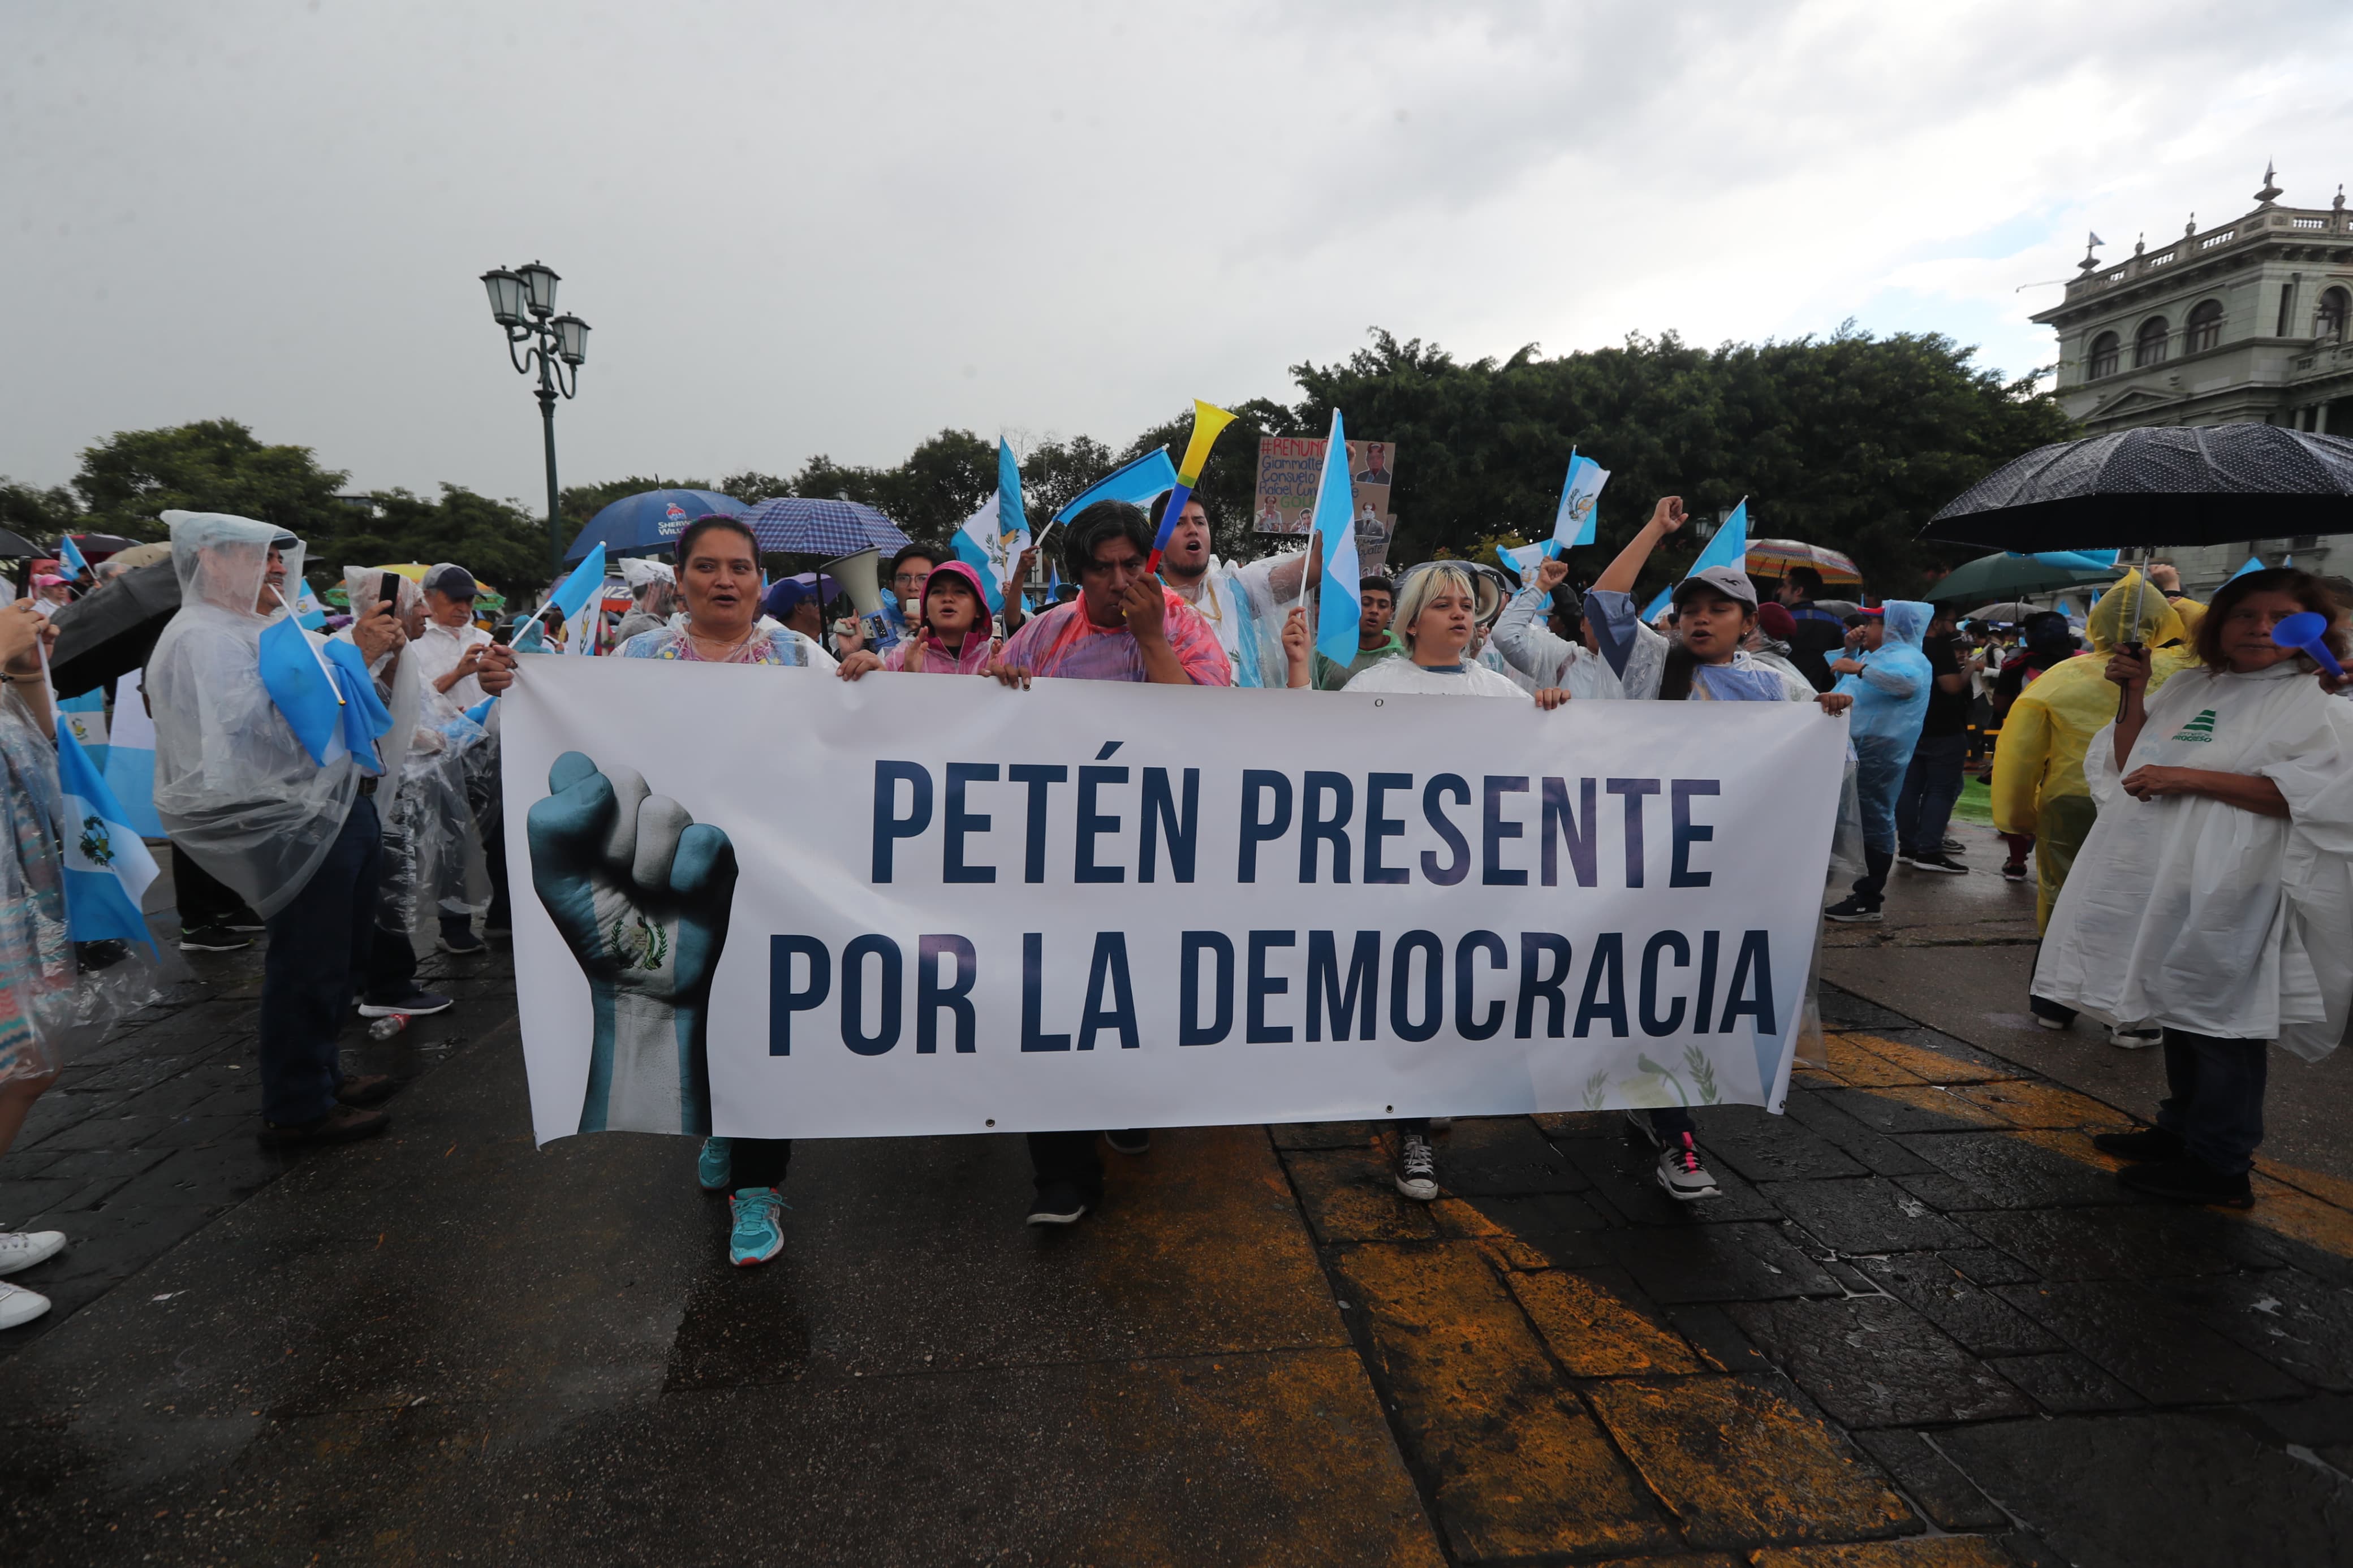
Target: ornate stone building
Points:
(2251, 321)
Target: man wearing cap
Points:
(51, 592)
(794, 606)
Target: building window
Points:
(2287, 308)
(2106, 352)
(2305, 541)
(2149, 343)
(2205, 326)
(2334, 307)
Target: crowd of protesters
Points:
(2187, 917)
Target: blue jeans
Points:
(1931, 786)
(2216, 1108)
(318, 951)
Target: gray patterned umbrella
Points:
(2171, 486)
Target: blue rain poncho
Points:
(1891, 699)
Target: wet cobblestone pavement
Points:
(1923, 1327)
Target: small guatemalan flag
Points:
(107, 866)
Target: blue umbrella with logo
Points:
(803, 525)
(649, 520)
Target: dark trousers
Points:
(203, 898)
(2216, 1108)
(1070, 1157)
(1924, 808)
(391, 972)
(760, 1161)
(1876, 864)
(318, 948)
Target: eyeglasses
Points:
(908, 578)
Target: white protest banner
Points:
(773, 903)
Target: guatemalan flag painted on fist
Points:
(107, 868)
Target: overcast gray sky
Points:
(800, 228)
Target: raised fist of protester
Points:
(641, 892)
(1668, 515)
(1551, 573)
(859, 663)
(2130, 668)
(1145, 607)
(1298, 646)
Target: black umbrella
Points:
(16, 546)
(2172, 485)
(109, 631)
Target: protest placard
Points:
(773, 903)
(1284, 504)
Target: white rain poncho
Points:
(1402, 675)
(1529, 645)
(1638, 655)
(1891, 700)
(2202, 916)
(233, 786)
(1246, 607)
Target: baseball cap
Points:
(451, 581)
(1776, 620)
(1729, 581)
(1872, 612)
(786, 598)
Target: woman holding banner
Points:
(1715, 614)
(718, 583)
(1438, 616)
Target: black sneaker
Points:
(1945, 864)
(2013, 871)
(2051, 1014)
(1130, 1140)
(1417, 1171)
(1852, 910)
(211, 939)
(461, 942)
(1057, 1202)
(416, 1005)
(2187, 1178)
(2146, 1143)
(246, 920)
(1952, 845)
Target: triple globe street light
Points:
(523, 300)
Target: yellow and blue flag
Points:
(1210, 422)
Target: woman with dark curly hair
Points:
(2217, 905)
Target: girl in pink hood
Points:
(952, 637)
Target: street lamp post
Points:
(523, 300)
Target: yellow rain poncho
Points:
(2038, 767)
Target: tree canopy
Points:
(1850, 441)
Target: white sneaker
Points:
(1681, 1173)
(18, 1305)
(22, 1250)
(1417, 1175)
(2135, 1037)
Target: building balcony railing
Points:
(2241, 231)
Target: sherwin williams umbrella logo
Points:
(2198, 729)
(674, 521)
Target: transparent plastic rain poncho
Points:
(233, 786)
(431, 860)
(47, 1010)
(1891, 699)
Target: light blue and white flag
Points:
(86, 716)
(130, 766)
(1574, 523)
(107, 868)
(308, 612)
(992, 539)
(1339, 606)
(294, 672)
(1523, 562)
(1728, 548)
(70, 557)
(1136, 482)
(2254, 564)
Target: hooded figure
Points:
(234, 788)
(973, 657)
(1891, 700)
(2039, 787)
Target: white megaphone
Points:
(859, 575)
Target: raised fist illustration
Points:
(641, 892)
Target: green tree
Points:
(130, 479)
(498, 542)
(39, 515)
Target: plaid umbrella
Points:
(798, 525)
(1774, 557)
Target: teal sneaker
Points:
(759, 1227)
(715, 1164)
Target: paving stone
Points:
(1711, 1331)
(205, 1177)
(1912, 1108)
(1518, 1465)
(1593, 1330)
(2317, 1235)
(1564, 1125)
(1869, 1214)
(1563, 1229)
(1498, 1156)
(1874, 1362)
(1323, 1135)
(2158, 1491)
(1350, 1195)
(2012, 1170)
(1939, 1491)
(2036, 1104)
(2159, 1353)
(1717, 1263)
(1851, 1063)
(2137, 1243)
(1934, 1057)
(1976, 1320)
(2065, 1384)
(1624, 1174)
(32, 1194)
(1937, 1552)
(100, 1133)
(1986, 1265)
(2290, 1319)
(1739, 1462)
(1759, 1147)
(1876, 1150)
(1844, 1010)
